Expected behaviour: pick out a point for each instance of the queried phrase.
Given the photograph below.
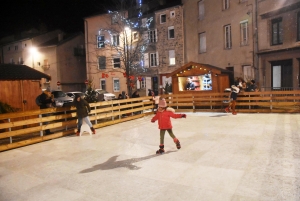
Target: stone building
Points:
(55, 53)
(278, 44)
(220, 33)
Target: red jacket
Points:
(164, 121)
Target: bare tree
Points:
(128, 39)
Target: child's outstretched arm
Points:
(177, 116)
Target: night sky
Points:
(18, 15)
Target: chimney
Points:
(60, 36)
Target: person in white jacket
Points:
(156, 101)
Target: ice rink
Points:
(224, 157)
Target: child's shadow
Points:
(111, 163)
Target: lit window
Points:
(171, 57)
(244, 32)
(227, 32)
(100, 41)
(116, 83)
(202, 40)
(116, 40)
(171, 32)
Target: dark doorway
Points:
(231, 75)
(155, 85)
(282, 75)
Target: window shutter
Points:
(145, 36)
(157, 59)
(156, 35)
(146, 60)
(138, 86)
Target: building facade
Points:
(279, 44)
(60, 55)
(220, 33)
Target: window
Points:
(298, 26)
(16, 47)
(171, 57)
(143, 83)
(145, 63)
(152, 34)
(201, 9)
(100, 41)
(114, 19)
(102, 84)
(116, 83)
(202, 41)
(225, 4)
(172, 14)
(102, 62)
(135, 36)
(163, 18)
(21, 60)
(117, 62)
(227, 31)
(8, 49)
(153, 59)
(116, 40)
(277, 31)
(12, 61)
(248, 72)
(171, 33)
(244, 32)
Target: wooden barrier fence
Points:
(25, 128)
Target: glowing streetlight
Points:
(33, 51)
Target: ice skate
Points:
(177, 143)
(161, 149)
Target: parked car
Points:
(73, 93)
(61, 99)
(103, 95)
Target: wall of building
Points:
(269, 10)
(92, 27)
(215, 18)
(164, 44)
(71, 68)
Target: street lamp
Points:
(33, 51)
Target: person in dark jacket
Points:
(82, 110)
(135, 94)
(47, 100)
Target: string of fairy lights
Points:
(132, 51)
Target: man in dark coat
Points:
(46, 99)
(82, 110)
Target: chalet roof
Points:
(20, 72)
(200, 65)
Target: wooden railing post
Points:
(10, 138)
(41, 124)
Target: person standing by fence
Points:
(47, 101)
(82, 110)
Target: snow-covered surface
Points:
(223, 157)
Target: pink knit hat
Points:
(162, 103)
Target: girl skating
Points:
(163, 116)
